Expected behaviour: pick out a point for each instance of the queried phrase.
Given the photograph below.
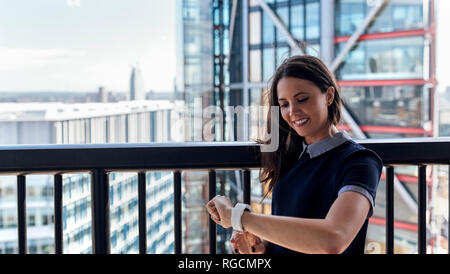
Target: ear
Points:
(330, 95)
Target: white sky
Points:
(79, 45)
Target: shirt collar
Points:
(325, 145)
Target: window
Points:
(255, 65)
(282, 54)
(298, 22)
(255, 28)
(283, 14)
(268, 31)
(268, 63)
(388, 105)
(312, 21)
(398, 15)
(400, 58)
(32, 220)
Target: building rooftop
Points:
(64, 111)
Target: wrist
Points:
(244, 219)
(236, 215)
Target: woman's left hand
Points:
(220, 205)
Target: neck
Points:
(328, 132)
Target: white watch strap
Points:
(236, 214)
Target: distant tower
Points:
(136, 85)
(102, 96)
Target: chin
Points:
(302, 133)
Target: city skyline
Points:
(94, 43)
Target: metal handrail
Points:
(101, 159)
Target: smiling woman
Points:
(323, 184)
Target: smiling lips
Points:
(301, 122)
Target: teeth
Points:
(299, 122)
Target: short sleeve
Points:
(361, 172)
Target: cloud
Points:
(73, 3)
(19, 58)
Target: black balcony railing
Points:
(100, 160)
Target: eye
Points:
(285, 105)
(302, 100)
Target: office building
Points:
(93, 123)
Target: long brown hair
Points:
(305, 67)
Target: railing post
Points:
(422, 214)
(177, 211)
(58, 196)
(212, 224)
(142, 197)
(390, 210)
(21, 213)
(100, 212)
(247, 192)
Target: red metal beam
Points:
(398, 82)
(410, 179)
(397, 224)
(390, 129)
(384, 35)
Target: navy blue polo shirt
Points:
(323, 171)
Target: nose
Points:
(293, 109)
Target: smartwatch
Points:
(236, 214)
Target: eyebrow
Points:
(297, 94)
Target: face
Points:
(305, 108)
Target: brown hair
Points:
(310, 68)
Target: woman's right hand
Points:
(246, 243)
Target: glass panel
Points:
(312, 20)
(313, 50)
(268, 63)
(398, 15)
(268, 30)
(283, 14)
(400, 58)
(282, 54)
(255, 28)
(255, 65)
(350, 15)
(388, 105)
(298, 22)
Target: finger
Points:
(215, 219)
(234, 248)
(258, 249)
(211, 208)
(237, 237)
(210, 204)
(215, 214)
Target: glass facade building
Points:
(124, 122)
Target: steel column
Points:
(58, 208)
(142, 200)
(100, 212)
(22, 214)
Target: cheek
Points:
(285, 115)
(319, 111)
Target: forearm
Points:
(299, 234)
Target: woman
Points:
(323, 183)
